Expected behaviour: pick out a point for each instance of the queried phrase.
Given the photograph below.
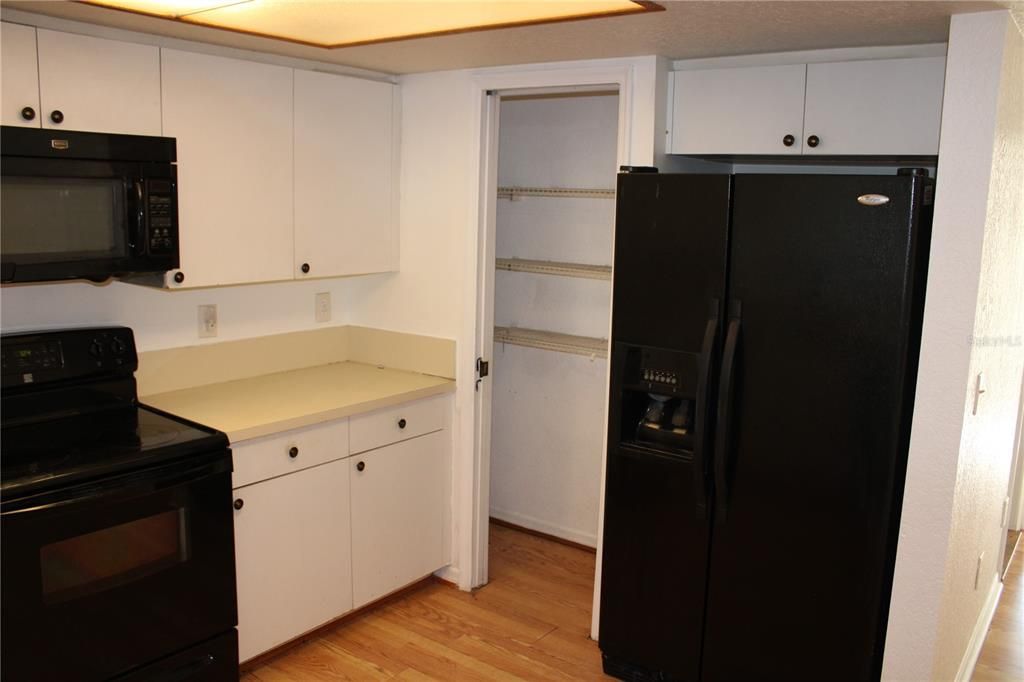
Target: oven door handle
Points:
(120, 487)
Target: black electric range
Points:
(117, 527)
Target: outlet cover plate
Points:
(322, 306)
(207, 318)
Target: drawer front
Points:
(397, 423)
(263, 458)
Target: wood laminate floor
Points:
(531, 622)
(1002, 655)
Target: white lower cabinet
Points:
(399, 515)
(319, 532)
(292, 555)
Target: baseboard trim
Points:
(547, 536)
(970, 658)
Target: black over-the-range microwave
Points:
(76, 205)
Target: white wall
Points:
(959, 462)
(166, 319)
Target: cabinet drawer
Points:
(263, 458)
(397, 423)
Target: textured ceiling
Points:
(687, 29)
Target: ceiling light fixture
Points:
(346, 23)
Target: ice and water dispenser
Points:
(656, 398)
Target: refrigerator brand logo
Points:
(59, 144)
(872, 199)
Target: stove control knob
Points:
(118, 346)
(96, 348)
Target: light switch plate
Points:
(207, 321)
(322, 306)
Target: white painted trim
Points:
(970, 658)
(16, 16)
(1015, 515)
(841, 54)
(449, 574)
(571, 534)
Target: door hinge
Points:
(483, 368)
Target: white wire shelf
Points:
(582, 193)
(560, 269)
(562, 343)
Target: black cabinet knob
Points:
(813, 141)
(293, 452)
(305, 268)
(57, 116)
(360, 466)
(788, 140)
(401, 423)
(28, 113)
(179, 277)
(239, 503)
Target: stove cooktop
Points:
(55, 453)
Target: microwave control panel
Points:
(161, 209)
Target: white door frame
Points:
(478, 331)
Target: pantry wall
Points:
(556, 172)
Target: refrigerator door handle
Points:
(703, 408)
(723, 434)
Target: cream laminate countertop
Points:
(272, 403)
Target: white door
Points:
(399, 511)
(233, 123)
(291, 555)
(755, 110)
(346, 219)
(99, 85)
(19, 79)
(889, 106)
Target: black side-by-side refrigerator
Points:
(764, 355)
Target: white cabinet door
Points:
(233, 123)
(19, 76)
(738, 111)
(345, 176)
(399, 515)
(292, 555)
(98, 85)
(889, 106)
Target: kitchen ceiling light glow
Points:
(334, 23)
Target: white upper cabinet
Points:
(889, 106)
(19, 99)
(738, 111)
(98, 85)
(872, 107)
(233, 123)
(345, 176)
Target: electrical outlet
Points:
(977, 571)
(322, 306)
(207, 321)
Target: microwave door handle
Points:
(136, 239)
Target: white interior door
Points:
(485, 334)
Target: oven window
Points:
(73, 217)
(113, 556)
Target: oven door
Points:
(70, 219)
(100, 579)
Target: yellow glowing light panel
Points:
(331, 23)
